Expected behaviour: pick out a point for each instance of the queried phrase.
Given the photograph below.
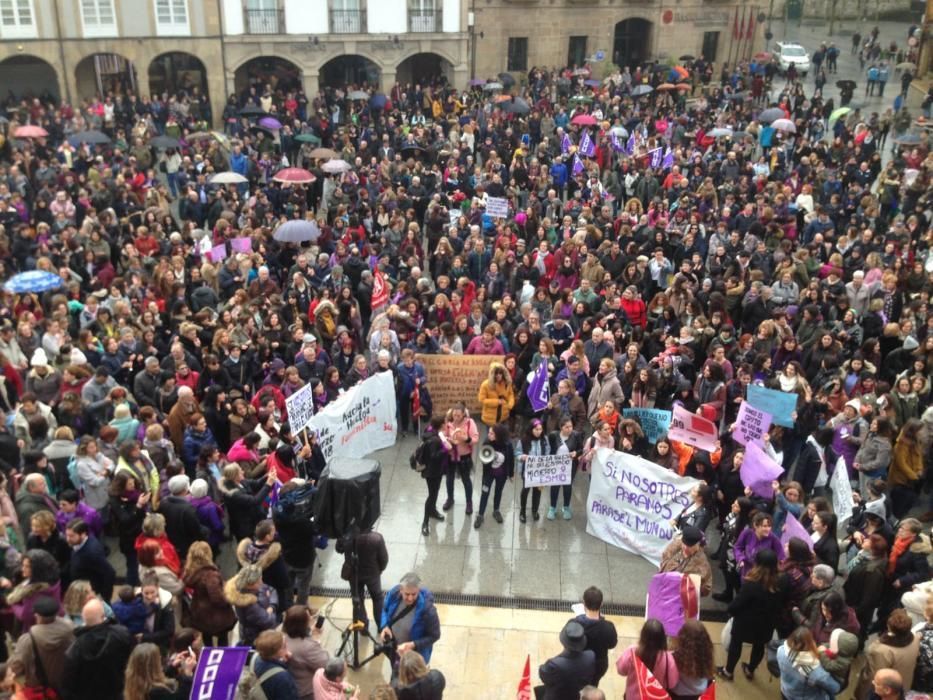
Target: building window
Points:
(424, 16)
(576, 51)
(518, 53)
(171, 17)
(710, 46)
(347, 17)
(263, 17)
(99, 18)
(17, 20)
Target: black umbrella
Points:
(165, 142)
(661, 67)
(92, 137)
(416, 152)
(687, 57)
(252, 111)
(516, 106)
(506, 79)
(843, 84)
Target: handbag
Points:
(42, 692)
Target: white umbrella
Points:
(227, 178)
(720, 133)
(336, 166)
(784, 125)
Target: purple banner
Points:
(218, 253)
(759, 470)
(793, 528)
(587, 147)
(241, 245)
(751, 424)
(539, 390)
(577, 164)
(218, 673)
(630, 144)
(565, 144)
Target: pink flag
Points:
(241, 245)
(759, 470)
(793, 528)
(218, 253)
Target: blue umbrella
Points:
(297, 231)
(33, 281)
(378, 101)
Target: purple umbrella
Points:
(270, 123)
(591, 83)
(476, 81)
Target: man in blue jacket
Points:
(409, 617)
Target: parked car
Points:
(786, 54)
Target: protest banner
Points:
(632, 501)
(218, 253)
(300, 408)
(360, 420)
(548, 470)
(241, 245)
(843, 503)
(693, 430)
(758, 470)
(218, 673)
(654, 421)
(780, 404)
(497, 207)
(793, 528)
(751, 424)
(456, 378)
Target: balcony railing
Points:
(348, 21)
(265, 21)
(420, 20)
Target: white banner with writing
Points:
(550, 470)
(632, 501)
(360, 421)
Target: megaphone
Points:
(487, 455)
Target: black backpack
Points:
(296, 506)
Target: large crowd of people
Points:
(674, 235)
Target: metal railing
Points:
(421, 20)
(264, 21)
(348, 21)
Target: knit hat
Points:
(77, 357)
(691, 535)
(854, 404)
(910, 343)
(178, 484)
(875, 508)
(39, 358)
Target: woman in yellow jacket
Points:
(496, 395)
(906, 468)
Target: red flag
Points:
(415, 403)
(742, 26)
(710, 692)
(380, 291)
(649, 688)
(735, 24)
(751, 28)
(688, 597)
(524, 685)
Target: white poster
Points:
(497, 207)
(550, 470)
(843, 502)
(632, 501)
(300, 408)
(360, 421)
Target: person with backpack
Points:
(432, 459)
(292, 518)
(271, 678)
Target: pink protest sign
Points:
(759, 470)
(218, 253)
(241, 245)
(693, 430)
(793, 528)
(751, 424)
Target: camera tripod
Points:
(357, 628)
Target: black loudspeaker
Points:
(347, 501)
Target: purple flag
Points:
(665, 602)
(630, 144)
(218, 672)
(655, 157)
(587, 147)
(539, 390)
(241, 245)
(617, 145)
(577, 164)
(565, 144)
(793, 528)
(759, 470)
(668, 161)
